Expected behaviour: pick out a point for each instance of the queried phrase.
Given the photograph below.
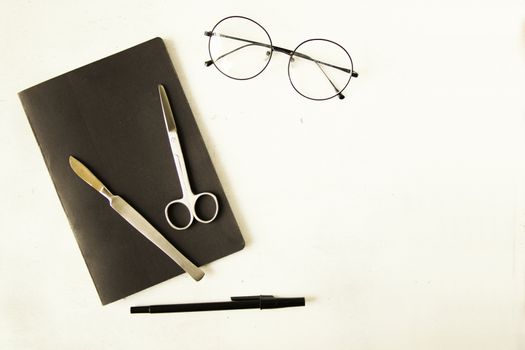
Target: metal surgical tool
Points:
(189, 199)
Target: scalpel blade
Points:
(136, 220)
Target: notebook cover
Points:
(108, 115)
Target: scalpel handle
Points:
(143, 226)
(136, 220)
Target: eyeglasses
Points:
(241, 49)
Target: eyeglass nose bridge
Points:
(282, 50)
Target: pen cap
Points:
(274, 303)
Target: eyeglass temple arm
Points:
(339, 94)
(210, 62)
(275, 48)
(251, 42)
(318, 63)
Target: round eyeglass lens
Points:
(320, 69)
(239, 47)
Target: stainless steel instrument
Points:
(189, 199)
(135, 219)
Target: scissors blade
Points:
(166, 110)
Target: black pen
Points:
(247, 302)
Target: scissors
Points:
(189, 199)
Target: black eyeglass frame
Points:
(288, 52)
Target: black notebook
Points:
(108, 115)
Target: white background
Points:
(398, 212)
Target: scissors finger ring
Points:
(202, 207)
